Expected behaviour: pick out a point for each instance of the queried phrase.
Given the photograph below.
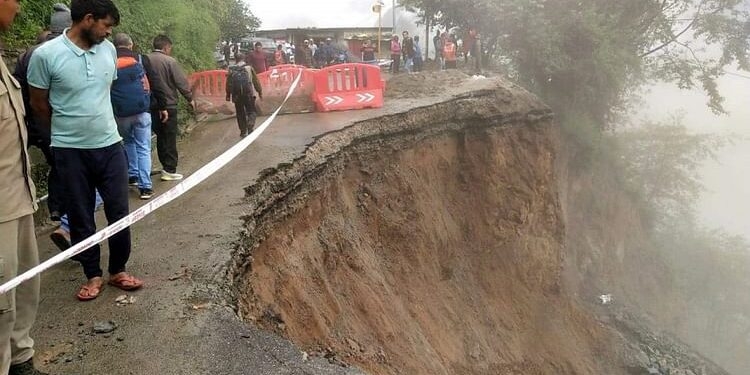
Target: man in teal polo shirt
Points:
(69, 84)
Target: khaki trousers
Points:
(18, 253)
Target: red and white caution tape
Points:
(172, 194)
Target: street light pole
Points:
(380, 29)
(394, 16)
(378, 7)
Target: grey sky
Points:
(279, 14)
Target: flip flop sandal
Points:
(88, 293)
(126, 283)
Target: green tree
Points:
(584, 57)
(236, 20)
(189, 24)
(34, 18)
(195, 26)
(661, 162)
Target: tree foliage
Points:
(195, 26)
(586, 56)
(661, 162)
(191, 27)
(236, 20)
(34, 18)
(712, 273)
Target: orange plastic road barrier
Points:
(209, 83)
(276, 82)
(283, 66)
(348, 86)
(209, 90)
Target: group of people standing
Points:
(447, 49)
(91, 106)
(314, 56)
(410, 50)
(407, 51)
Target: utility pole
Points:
(394, 17)
(378, 8)
(427, 39)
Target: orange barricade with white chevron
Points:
(348, 86)
(335, 88)
(276, 82)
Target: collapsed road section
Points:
(424, 237)
(426, 242)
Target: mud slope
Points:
(426, 243)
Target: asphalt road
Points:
(179, 323)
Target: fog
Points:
(726, 203)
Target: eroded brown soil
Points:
(433, 242)
(440, 259)
(427, 254)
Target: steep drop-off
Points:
(428, 242)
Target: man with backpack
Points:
(131, 101)
(241, 80)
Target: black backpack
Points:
(239, 81)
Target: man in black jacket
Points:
(171, 79)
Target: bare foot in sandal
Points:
(90, 290)
(125, 281)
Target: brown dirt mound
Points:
(422, 83)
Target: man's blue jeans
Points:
(136, 134)
(409, 64)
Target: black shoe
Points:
(133, 181)
(243, 134)
(26, 368)
(55, 215)
(146, 194)
(61, 239)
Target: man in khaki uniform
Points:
(18, 250)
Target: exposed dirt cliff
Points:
(432, 242)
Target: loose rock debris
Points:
(125, 300)
(105, 327)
